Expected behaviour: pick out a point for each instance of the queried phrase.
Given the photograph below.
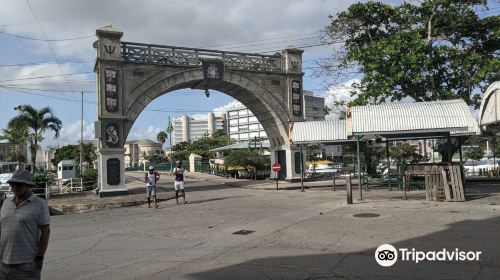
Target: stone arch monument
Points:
(130, 75)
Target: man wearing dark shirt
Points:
(179, 181)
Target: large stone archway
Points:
(131, 75)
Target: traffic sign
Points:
(276, 167)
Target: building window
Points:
(253, 127)
(233, 122)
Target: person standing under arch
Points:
(179, 181)
(151, 178)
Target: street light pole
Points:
(169, 130)
(81, 139)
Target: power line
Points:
(51, 49)
(47, 76)
(47, 62)
(47, 40)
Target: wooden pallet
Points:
(453, 186)
(433, 183)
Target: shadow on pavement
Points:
(214, 199)
(478, 190)
(469, 235)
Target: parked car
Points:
(472, 167)
(321, 168)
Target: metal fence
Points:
(218, 169)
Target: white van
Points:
(66, 169)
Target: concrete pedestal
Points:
(289, 165)
(111, 176)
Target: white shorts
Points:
(179, 185)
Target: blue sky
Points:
(42, 72)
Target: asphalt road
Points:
(290, 235)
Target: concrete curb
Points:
(86, 207)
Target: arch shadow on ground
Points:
(474, 235)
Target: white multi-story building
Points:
(188, 129)
(243, 124)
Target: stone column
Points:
(109, 128)
(295, 102)
(294, 86)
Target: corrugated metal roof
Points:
(319, 131)
(241, 145)
(472, 124)
(449, 115)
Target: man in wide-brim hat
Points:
(23, 245)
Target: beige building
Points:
(48, 156)
(135, 151)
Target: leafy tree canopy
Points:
(434, 50)
(405, 154)
(249, 159)
(73, 152)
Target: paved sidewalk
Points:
(89, 201)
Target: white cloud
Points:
(193, 23)
(223, 109)
(138, 133)
(44, 77)
(69, 134)
(338, 93)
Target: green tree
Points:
(162, 137)
(313, 153)
(406, 154)
(203, 145)
(180, 151)
(474, 155)
(250, 159)
(37, 122)
(17, 136)
(155, 158)
(73, 152)
(435, 50)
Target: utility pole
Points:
(169, 130)
(81, 138)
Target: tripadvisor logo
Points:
(387, 255)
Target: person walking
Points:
(151, 178)
(24, 230)
(179, 181)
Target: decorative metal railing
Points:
(179, 56)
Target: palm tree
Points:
(37, 122)
(17, 136)
(162, 137)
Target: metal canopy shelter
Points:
(240, 145)
(395, 121)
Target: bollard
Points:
(333, 182)
(404, 188)
(349, 189)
